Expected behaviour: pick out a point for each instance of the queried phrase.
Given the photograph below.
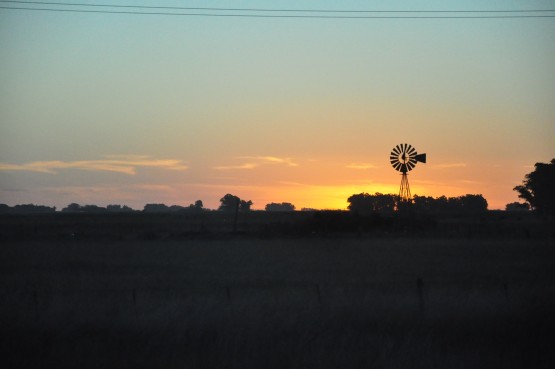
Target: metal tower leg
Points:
(404, 190)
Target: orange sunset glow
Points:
(112, 109)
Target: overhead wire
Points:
(285, 13)
(270, 10)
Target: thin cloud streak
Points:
(449, 165)
(125, 165)
(361, 166)
(271, 159)
(232, 167)
(257, 161)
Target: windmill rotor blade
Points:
(404, 157)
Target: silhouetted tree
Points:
(93, 209)
(30, 209)
(155, 208)
(72, 208)
(177, 208)
(245, 205)
(196, 207)
(517, 206)
(467, 204)
(472, 204)
(232, 203)
(284, 206)
(537, 188)
(229, 203)
(364, 203)
(424, 204)
(119, 209)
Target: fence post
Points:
(506, 288)
(420, 287)
(319, 294)
(134, 296)
(228, 293)
(36, 303)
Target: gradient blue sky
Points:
(128, 109)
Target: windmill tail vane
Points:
(403, 158)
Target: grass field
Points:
(246, 302)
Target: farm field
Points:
(305, 302)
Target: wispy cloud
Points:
(242, 166)
(449, 165)
(257, 161)
(153, 187)
(289, 183)
(125, 164)
(271, 160)
(361, 166)
(471, 182)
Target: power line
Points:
(269, 10)
(248, 15)
(274, 16)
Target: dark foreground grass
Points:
(308, 303)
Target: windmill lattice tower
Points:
(403, 158)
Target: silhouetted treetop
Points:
(537, 188)
(156, 208)
(284, 206)
(119, 209)
(72, 208)
(466, 204)
(197, 206)
(232, 203)
(517, 206)
(364, 203)
(26, 209)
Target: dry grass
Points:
(305, 303)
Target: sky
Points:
(102, 109)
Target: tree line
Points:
(536, 190)
(378, 203)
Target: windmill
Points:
(403, 158)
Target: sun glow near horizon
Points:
(135, 180)
(271, 110)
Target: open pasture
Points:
(280, 303)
